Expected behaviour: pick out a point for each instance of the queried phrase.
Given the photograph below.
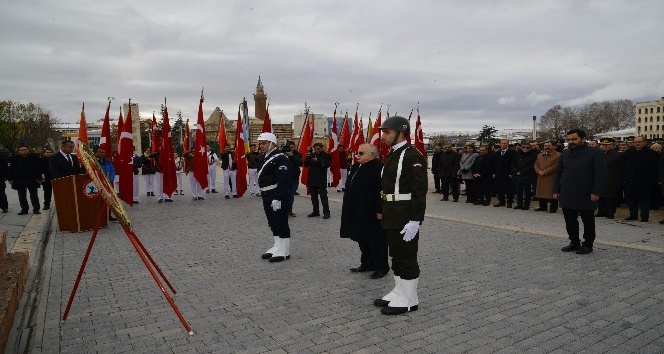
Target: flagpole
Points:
(306, 121)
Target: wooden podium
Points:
(77, 203)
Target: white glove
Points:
(276, 205)
(410, 230)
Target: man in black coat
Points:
(448, 169)
(639, 177)
(523, 174)
(46, 172)
(361, 211)
(435, 167)
(318, 161)
(65, 163)
(580, 178)
(483, 171)
(25, 176)
(503, 177)
(609, 199)
(4, 204)
(296, 160)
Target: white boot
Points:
(282, 252)
(406, 299)
(271, 251)
(391, 296)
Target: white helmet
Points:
(268, 137)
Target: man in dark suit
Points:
(46, 173)
(483, 170)
(318, 161)
(609, 199)
(504, 187)
(25, 176)
(360, 212)
(435, 167)
(580, 178)
(64, 163)
(4, 204)
(639, 178)
(447, 171)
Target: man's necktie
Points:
(71, 162)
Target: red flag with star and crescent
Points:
(200, 155)
(344, 140)
(105, 140)
(267, 123)
(126, 152)
(419, 135)
(306, 140)
(167, 157)
(333, 149)
(240, 158)
(83, 128)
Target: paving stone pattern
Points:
(482, 289)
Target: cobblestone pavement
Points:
(493, 281)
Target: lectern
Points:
(78, 203)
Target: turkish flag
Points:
(200, 155)
(126, 152)
(186, 146)
(345, 134)
(83, 128)
(240, 157)
(167, 157)
(375, 140)
(105, 140)
(332, 147)
(119, 130)
(419, 135)
(306, 141)
(267, 123)
(154, 141)
(221, 137)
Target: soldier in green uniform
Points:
(404, 187)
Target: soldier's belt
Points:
(394, 197)
(268, 188)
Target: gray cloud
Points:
(468, 63)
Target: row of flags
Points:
(163, 143)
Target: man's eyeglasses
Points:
(359, 153)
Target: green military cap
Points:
(607, 141)
(630, 139)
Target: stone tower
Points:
(260, 100)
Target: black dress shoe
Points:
(516, 206)
(445, 199)
(644, 220)
(486, 203)
(390, 311)
(227, 197)
(584, 250)
(135, 202)
(361, 269)
(499, 205)
(292, 215)
(509, 205)
(23, 212)
(377, 275)
(326, 216)
(278, 259)
(312, 215)
(207, 191)
(553, 211)
(46, 207)
(36, 212)
(168, 200)
(214, 191)
(381, 302)
(571, 247)
(540, 209)
(631, 218)
(266, 255)
(4, 211)
(455, 200)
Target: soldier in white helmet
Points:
(274, 180)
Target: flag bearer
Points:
(404, 187)
(274, 181)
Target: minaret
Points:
(260, 100)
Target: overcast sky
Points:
(467, 63)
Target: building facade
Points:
(650, 119)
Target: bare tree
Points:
(596, 117)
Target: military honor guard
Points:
(404, 186)
(610, 196)
(274, 181)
